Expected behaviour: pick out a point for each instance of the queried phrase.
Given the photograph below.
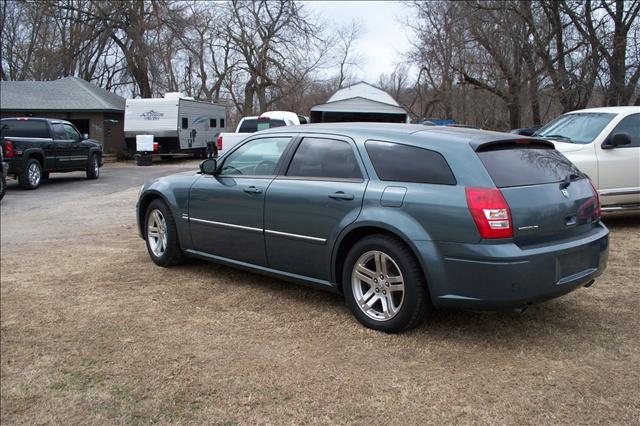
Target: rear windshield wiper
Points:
(568, 179)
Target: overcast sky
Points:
(383, 38)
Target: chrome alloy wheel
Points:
(378, 285)
(34, 174)
(96, 166)
(157, 233)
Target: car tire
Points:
(93, 168)
(384, 286)
(31, 176)
(3, 185)
(161, 235)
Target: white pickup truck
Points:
(605, 144)
(248, 125)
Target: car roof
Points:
(51, 120)
(396, 131)
(614, 109)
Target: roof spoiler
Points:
(511, 144)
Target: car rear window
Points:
(24, 128)
(405, 163)
(526, 166)
(249, 126)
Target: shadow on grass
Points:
(556, 319)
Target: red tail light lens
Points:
(8, 149)
(490, 212)
(219, 143)
(598, 209)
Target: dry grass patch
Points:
(93, 332)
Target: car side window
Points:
(405, 163)
(71, 132)
(58, 132)
(324, 158)
(25, 128)
(258, 157)
(631, 126)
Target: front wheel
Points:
(31, 177)
(93, 169)
(384, 285)
(161, 235)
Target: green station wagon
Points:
(400, 219)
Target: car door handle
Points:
(341, 196)
(252, 190)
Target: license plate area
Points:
(570, 266)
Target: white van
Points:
(179, 124)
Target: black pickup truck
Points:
(35, 147)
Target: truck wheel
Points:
(93, 169)
(161, 235)
(384, 286)
(31, 176)
(3, 185)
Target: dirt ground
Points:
(93, 332)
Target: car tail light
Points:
(219, 143)
(598, 208)
(490, 212)
(155, 147)
(8, 149)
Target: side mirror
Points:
(616, 140)
(85, 136)
(209, 167)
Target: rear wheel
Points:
(31, 177)
(93, 169)
(384, 285)
(161, 235)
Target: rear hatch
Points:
(549, 198)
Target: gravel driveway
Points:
(93, 332)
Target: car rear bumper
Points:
(505, 276)
(15, 166)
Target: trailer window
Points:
(185, 123)
(213, 122)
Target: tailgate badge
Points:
(565, 193)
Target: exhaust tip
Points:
(521, 309)
(590, 283)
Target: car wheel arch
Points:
(143, 205)
(352, 235)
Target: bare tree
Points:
(611, 28)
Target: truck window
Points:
(249, 126)
(631, 126)
(213, 122)
(58, 131)
(72, 133)
(24, 128)
(185, 123)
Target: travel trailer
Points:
(179, 124)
